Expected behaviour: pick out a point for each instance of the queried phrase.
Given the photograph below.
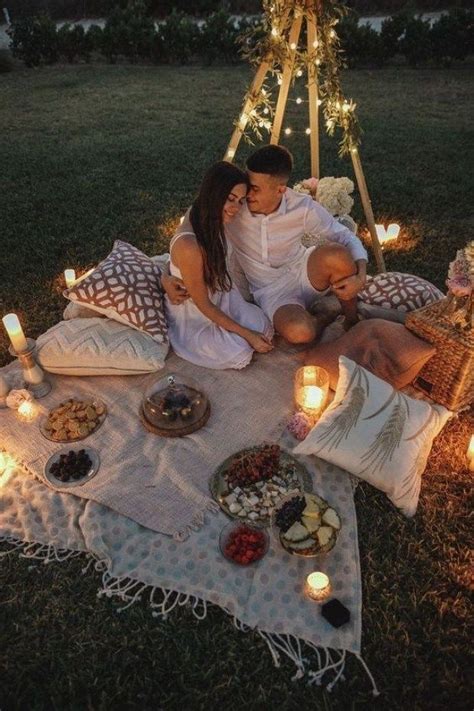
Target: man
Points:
(284, 276)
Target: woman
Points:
(215, 327)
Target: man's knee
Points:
(332, 262)
(297, 332)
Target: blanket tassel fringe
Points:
(130, 591)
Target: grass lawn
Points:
(95, 153)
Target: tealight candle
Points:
(311, 390)
(385, 235)
(470, 454)
(15, 333)
(70, 277)
(27, 411)
(318, 586)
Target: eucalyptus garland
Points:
(268, 41)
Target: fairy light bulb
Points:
(288, 131)
(293, 46)
(315, 44)
(274, 32)
(231, 152)
(319, 102)
(299, 73)
(279, 81)
(299, 100)
(345, 107)
(243, 118)
(318, 62)
(266, 110)
(308, 131)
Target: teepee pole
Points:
(367, 205)
(312, 36)
(286, 80)
(246, 109)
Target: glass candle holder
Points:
(318, 586)
(311, 390)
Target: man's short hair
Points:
(276, 161)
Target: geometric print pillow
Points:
(125, 287)
(403, 292)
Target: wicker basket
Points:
(448, 377)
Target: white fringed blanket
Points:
(149, 486)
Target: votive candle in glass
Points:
(318, 586)
(311, 390)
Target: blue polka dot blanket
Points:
(151, 529)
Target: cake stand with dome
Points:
(174, 406)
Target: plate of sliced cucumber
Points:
(306, 524)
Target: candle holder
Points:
(33, 375)
(311, 390)
(317, 586)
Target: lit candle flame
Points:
(385, 235)
(312, 397)
(69, 277)
(27, 411)
(470, 454)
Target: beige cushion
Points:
(377, 433)
(125, 287)
(74, 310)
(404, 292)
(98, 346)
(389, 350)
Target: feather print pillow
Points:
(377, 433)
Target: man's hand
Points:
(174, 288)
(348, 288)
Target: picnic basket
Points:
(448, 377)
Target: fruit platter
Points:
(243, 544)
(306, 525)
(73, 420)
(72, 466)
(252, 482)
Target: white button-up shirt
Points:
(264, 245)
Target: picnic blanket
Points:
(134, 561)
(162, 483)
(122, 529)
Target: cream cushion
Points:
(98, 346)
(377, 433)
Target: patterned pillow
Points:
(125, 287)
(377, 433)
(98, 346)
(404, 292)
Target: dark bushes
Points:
(131, 33)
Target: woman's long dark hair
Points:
(206, 220)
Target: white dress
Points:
(196, 338)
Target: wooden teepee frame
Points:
(294, 29)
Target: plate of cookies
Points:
(73, 419)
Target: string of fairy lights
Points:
(268, 42)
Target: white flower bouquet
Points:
(333, 194)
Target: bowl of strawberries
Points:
(242, 543)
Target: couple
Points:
(262, 221)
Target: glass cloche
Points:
(174, 405)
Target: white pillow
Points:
(74, 310)
(98, 346)
(377, 433)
